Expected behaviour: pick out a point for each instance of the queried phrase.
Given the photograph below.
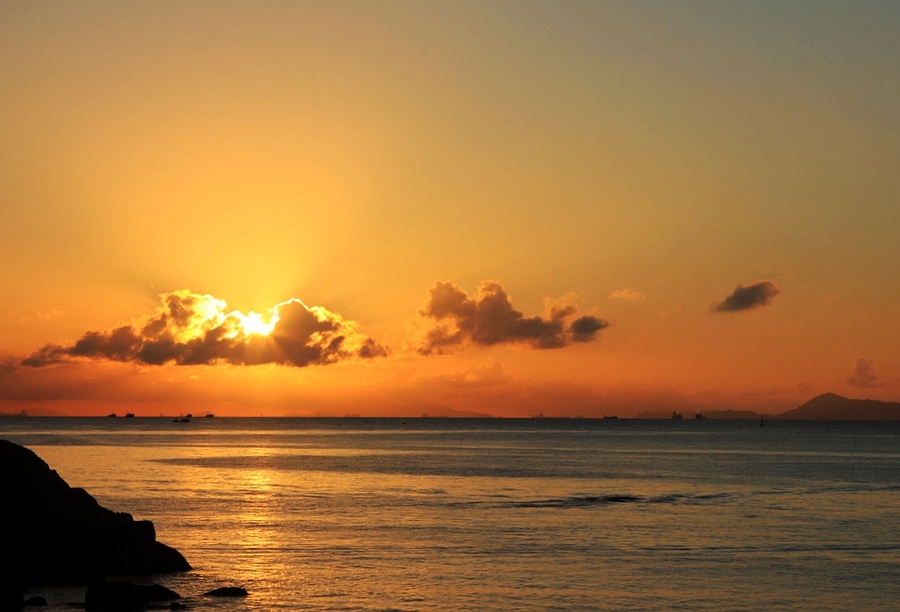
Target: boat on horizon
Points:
(676, 415)
(699, 416)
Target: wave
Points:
(580, 501)
(693, 499)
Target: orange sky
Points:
(593, 208)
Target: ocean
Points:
(500, 514)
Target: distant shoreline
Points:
(825, 407)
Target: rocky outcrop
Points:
(52, 533)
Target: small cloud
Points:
(48, 315)
(194, 329)
(631, 295)
(748, 298)
(863, 374)
(7, 365)
(489, 318)
(478, 377)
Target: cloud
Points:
(489, 318)
(632, 295)
(863, 374)
(194, 329)
(474, 376)
(748, 298)
(7, 365)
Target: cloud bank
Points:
(748, 298)
(631, 295)
(194, 329)
(489, 318)
(863, 374)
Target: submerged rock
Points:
(54, 534)
(157, 592)
(227, 592)
(122, 596)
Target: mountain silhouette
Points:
(833, 407)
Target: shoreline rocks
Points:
(54, 534)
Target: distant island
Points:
(825, 407)
(832, 407)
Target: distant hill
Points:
(655, 414)
(33, 412)
(826, 407)
(735, 414)
(709, 414)
(832, 407)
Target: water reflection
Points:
(613, 518)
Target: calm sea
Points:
(539, 514)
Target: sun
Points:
(253, 323)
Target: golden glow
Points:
(188, 316)
(353, 157)
(254, 323)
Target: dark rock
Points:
(55, 534)
(35, 602)
(115, 596)
(120, 596)
(227, 592)
(157, 592)
(11, 598)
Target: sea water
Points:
(500, 514)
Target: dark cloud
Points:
(7, 365)
(748, 298)
(193, 329)
(489, 318)
(863, 374)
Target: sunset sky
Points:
(573, 208)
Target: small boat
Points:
(699, 416)
(182, 419)
(111, 415)
(129, 415)
(208, 415)
(676, 415)
(609, 418)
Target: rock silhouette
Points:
(54, 534)
(227, 592)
